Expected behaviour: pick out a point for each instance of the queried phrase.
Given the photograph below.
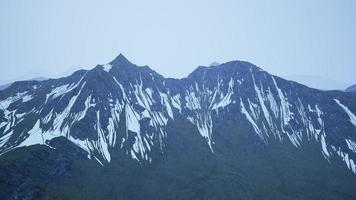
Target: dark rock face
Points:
(229, 130)
(26, 174)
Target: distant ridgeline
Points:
(6, 85)
(351, 88)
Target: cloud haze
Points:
(286, 38)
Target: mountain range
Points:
(227, 131)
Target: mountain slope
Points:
(6, 85)
(351, 89)
(2, 87)
(220, 119)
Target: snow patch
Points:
(107, 67)
(349, 113)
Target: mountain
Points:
(214, 64)
(230, 131)
(318, 82)
(351, 89)
(6, 85)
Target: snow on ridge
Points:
(176, 102)
(250, 119)
(192, 101)
(266, 106)
(351, 144)
(27, 98)
(312, 126)
(268, 112)
(273, 103)
(225, 100)
(132, 122)
(35, 136)
(4, 104)
(324, 146)
(4, 139)
(165, 102)
(285, 111)
(144, 97)
(63, 89)
(204, 124)
(121, 88)
(348, 161)
(261, 99)
(107, 67)
(348, 112)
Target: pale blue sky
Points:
(286, 38)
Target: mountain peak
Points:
(120, 60)
(214, 64)
(226, 68)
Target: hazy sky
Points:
(286, 38)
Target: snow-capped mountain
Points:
(89, 107)
(121, 107)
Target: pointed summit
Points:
(121, 60)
